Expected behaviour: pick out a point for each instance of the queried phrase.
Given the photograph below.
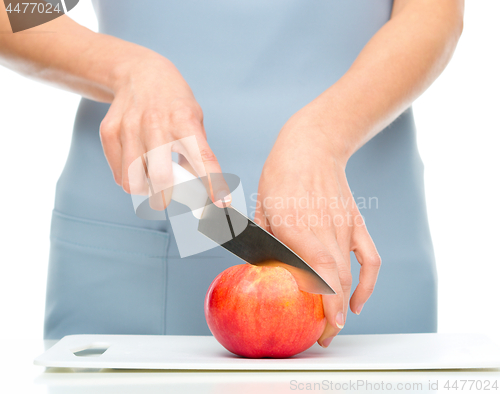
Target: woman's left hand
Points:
(305, 201)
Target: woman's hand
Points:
(305, 201)
(153, 107)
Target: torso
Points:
(251, 65)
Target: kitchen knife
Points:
(241, 236)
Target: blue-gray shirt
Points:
(252, 65)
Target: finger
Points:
(337, 238)
(188, 148)
(159, 165)
(306, 244)
(190, 156)
(109, 132)
(132, 170)
(343, 239)
(219, 190)
(339, 305)
(367, 255)
(335, 235)
(183, 162)
(205, 164)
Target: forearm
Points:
(400, 61)
(67, 55)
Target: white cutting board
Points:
(346, 352)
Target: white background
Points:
(459, 136)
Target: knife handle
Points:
(192, 192)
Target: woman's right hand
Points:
(153, 106)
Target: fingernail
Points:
(358, 311)
(223, 196)
(326, 342)
(339, 320)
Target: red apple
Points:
(259, 311)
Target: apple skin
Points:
(259, 311)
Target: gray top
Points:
(251, 65)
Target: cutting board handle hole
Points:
(92, 350)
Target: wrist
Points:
(134, 59)
(327, 130)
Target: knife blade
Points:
(232, 230)
(244, 238)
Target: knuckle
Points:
(109, 129)
(207, 155)
(152, 118)
(290, 231)
(129, 126)
(183, 113)
(374, 261)
(345, 278)
(130, 120)
(369, 288)
(359, 222)
(324, 259)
